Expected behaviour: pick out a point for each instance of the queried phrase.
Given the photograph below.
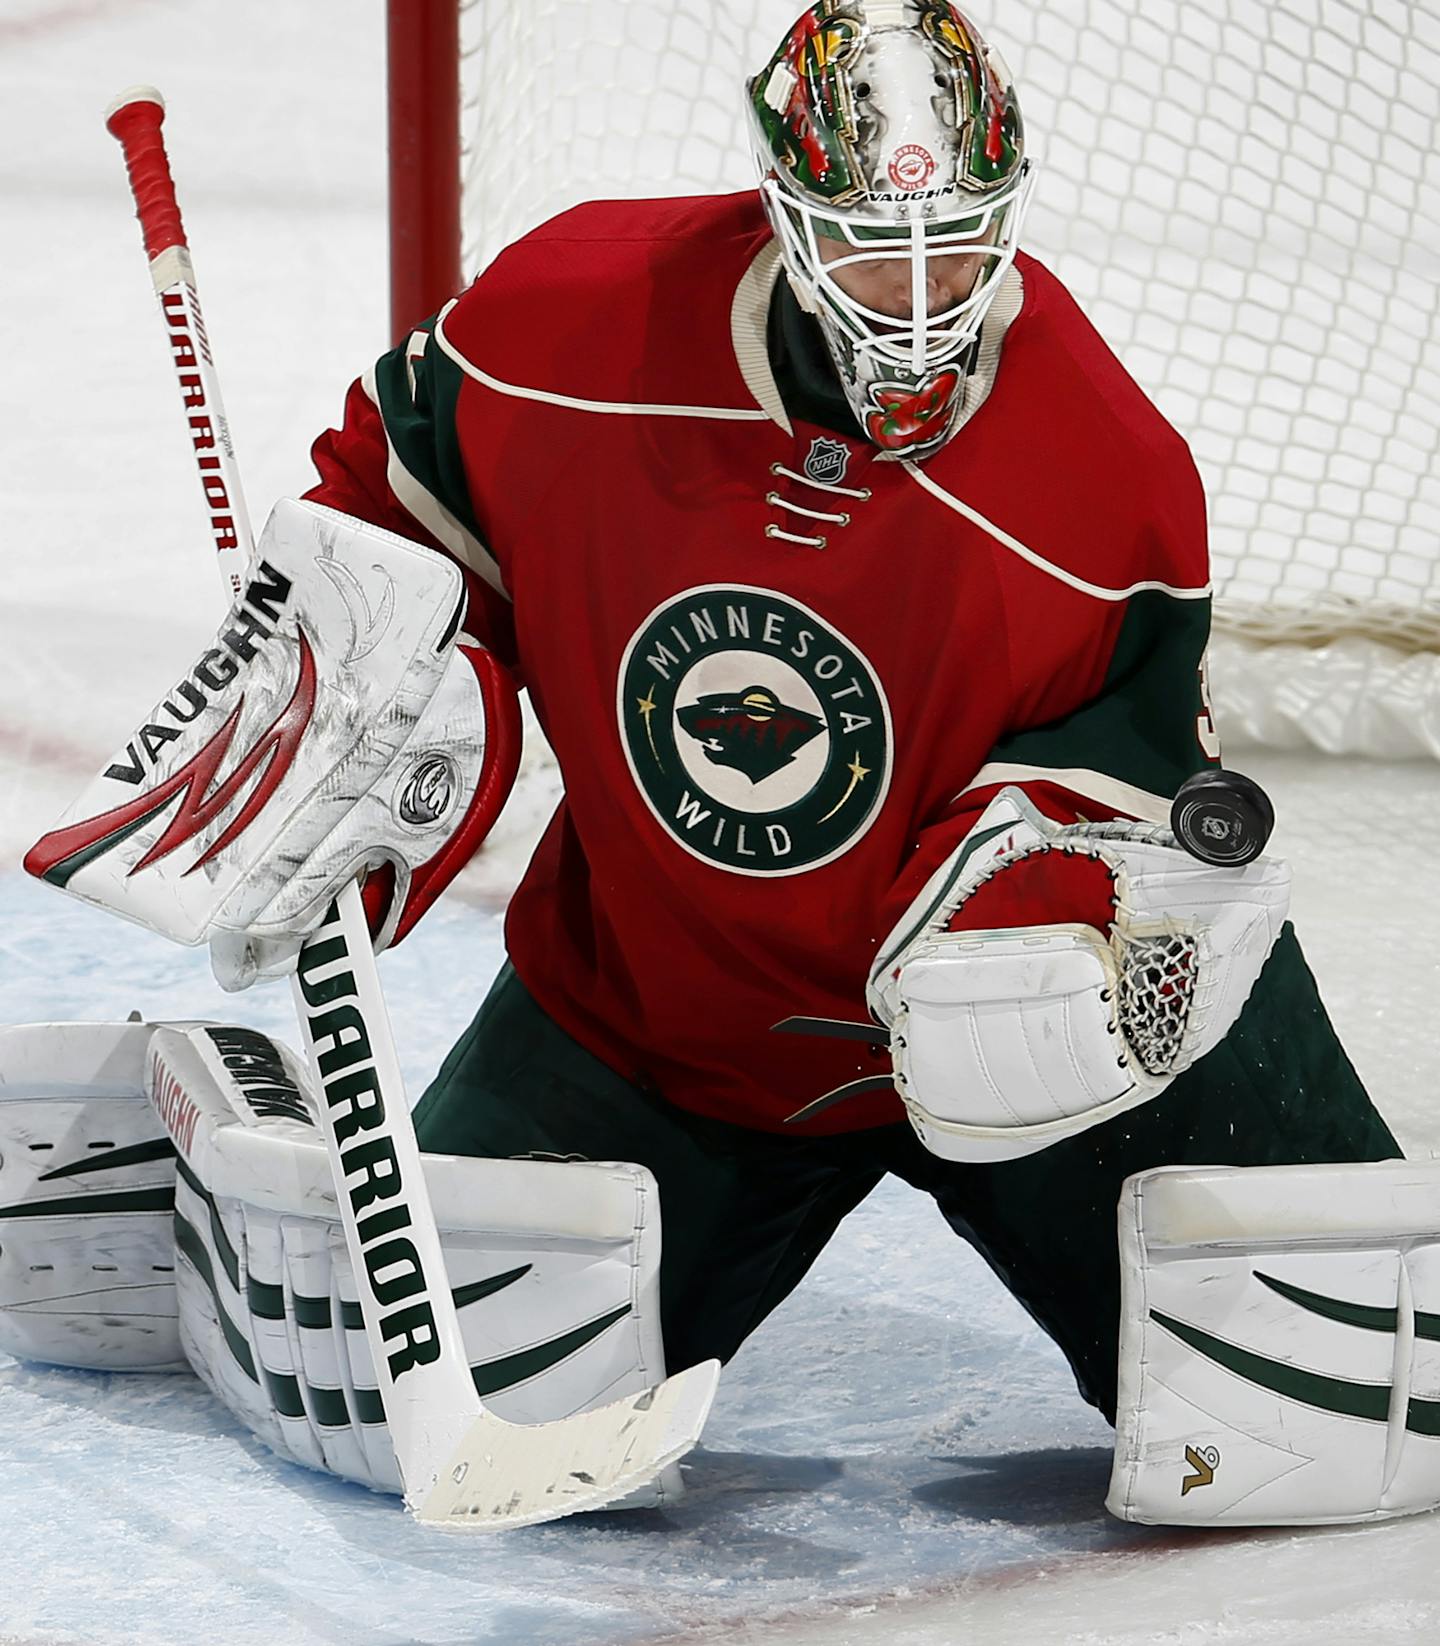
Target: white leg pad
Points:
(87, 1257)
(555, 1266)
(1279, 1345)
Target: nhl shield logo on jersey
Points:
(758, 735)
(827, 460)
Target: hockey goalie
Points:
(863, 599)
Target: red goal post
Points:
(423, 102)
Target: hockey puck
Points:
(1222, 818)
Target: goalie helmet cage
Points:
(1244, 195)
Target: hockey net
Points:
(1244, 195)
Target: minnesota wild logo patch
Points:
(758, 735)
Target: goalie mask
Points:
(893, 173)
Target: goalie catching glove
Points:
(1050, 977)
(335, 728)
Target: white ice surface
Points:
(896, 1455)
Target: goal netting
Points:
(1245, 197)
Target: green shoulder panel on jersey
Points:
(417, 390)
(1145, 727)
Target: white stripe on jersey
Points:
(1096, 590)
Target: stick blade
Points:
(515, 1474)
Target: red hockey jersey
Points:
(781, 670)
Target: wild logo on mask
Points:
(907, 415)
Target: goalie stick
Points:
(461, 1465)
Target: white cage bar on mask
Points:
(1244, 195)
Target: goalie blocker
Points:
(337, 726)
(166, 1203)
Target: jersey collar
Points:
(748, 313)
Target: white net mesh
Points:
(1245, 197)
(1157, 987)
